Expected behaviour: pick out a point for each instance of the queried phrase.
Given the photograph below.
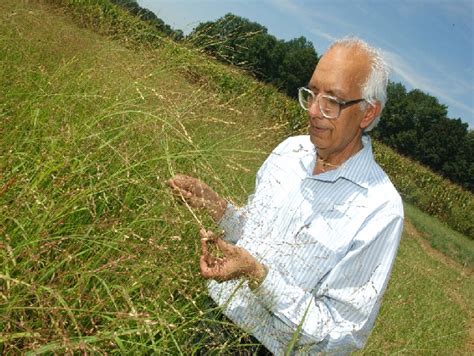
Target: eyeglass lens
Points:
(329, 107)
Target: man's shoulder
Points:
(300, 143)
(287, 154)
(383, 190)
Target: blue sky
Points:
(429, 43)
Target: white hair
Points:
(375, 87)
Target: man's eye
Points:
(333, 101)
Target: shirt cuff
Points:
(273, 290)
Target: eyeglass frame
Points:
(342, 103)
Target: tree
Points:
(227, 38)
(297, 66)
(247, 44)
(416, 125)
(133, 7)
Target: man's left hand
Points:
(236, 262)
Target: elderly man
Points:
(307, 260)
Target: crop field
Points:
(96, 255)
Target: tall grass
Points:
(96, 255)
(428, 191)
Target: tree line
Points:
(416, 125)
(413, 122)
(236, 40)
(149, 16)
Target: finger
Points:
(204, 249)
(179, 189)
(211, 260)
(195, 202)
(225, 247)
(178, 181)
(208, 271)
(203, 265)
(207, 235)
(194, 185)
(185, 182)
(176, 189)
(179, 177)
(185, 195)
(171, 183)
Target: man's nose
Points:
(314, 111)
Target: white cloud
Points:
(312, 19)
(417, 69)
(441, 89)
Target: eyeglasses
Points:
(329, 106)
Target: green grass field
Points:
(96, 255)
(442, 238)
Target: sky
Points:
(428, 43)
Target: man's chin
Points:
(315, 141)
(318, 142)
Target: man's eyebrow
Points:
(336, 93)
(333, 92)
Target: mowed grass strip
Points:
(441, 237)
(96, 255)
(427, 308)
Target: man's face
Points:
(339, 73)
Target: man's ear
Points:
(371, 112)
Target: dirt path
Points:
(432, 252)
(452, 292)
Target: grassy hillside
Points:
(96, 255)
(428, 191)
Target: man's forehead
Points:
(342, 66)
(333, 88)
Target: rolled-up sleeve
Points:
(232, 222)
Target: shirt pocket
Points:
(337, 224)
(319, 244)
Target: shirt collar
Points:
(356, 169)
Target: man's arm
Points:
(232, 222)
(342, 309)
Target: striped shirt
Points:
(328, 241)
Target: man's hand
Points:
(198, 195)
(235, 263)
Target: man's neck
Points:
(326, 161)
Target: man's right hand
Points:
(198, 195)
